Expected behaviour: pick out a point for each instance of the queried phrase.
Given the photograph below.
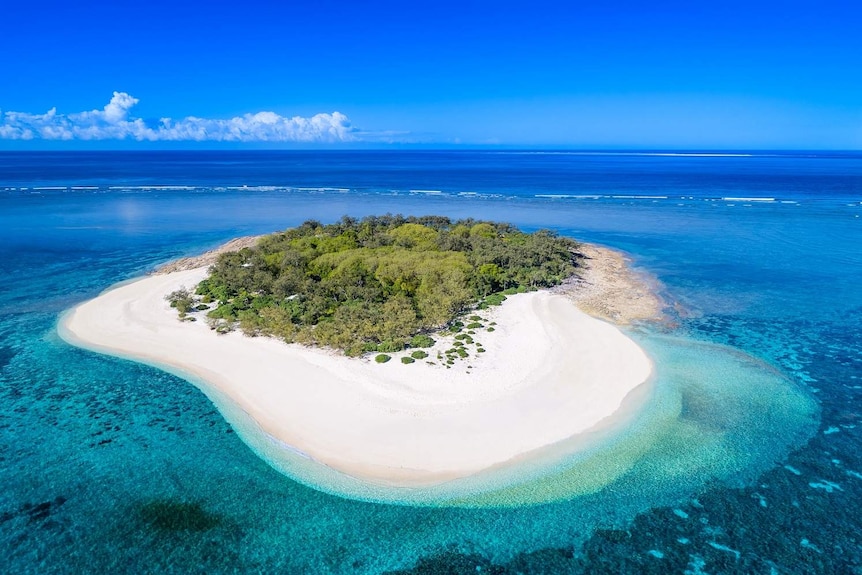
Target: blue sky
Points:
(435, 74)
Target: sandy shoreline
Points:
(608, 288)
(207, 258)
(550, 373)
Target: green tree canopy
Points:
(373, 284)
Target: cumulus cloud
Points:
(114, 122)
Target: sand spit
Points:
(608, 288)
(549, 373)
(208, 258)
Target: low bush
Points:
(422, 340)
(181, 300)
(390, 346)
(407, 360)
(418, 354)
(382, 358)
(494, 299)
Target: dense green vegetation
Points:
(377, 284)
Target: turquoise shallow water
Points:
(112, 466)
(708, 415)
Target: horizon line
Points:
(682, 151)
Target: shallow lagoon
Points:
(708, 416)
(118, 467)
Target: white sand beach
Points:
(550, 372)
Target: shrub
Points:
(494, 299)
(390, 346)
(474, 325)
(480, 350)
(422, 340)
(407, 360)
(490, 329)
(382, 358)
(224, 311)
(182, 300)
(475, 318)
(418, 354)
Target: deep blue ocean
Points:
(110, 466)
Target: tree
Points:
(373, 284)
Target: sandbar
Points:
(550, 372)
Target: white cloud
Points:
(114, 122)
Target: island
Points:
(396, 359)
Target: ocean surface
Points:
(110, 466)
